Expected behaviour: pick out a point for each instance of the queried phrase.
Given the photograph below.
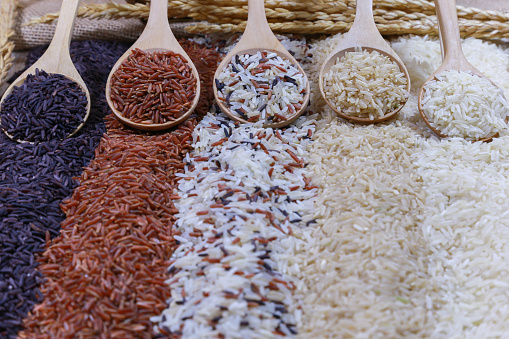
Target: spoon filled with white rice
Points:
(364, 80)
(458, 100)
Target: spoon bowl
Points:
(157, 36)
(364, 35)
(452, 54)
(259, 37)
(57, 59)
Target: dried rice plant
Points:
(7, 11)
(327, 16)
(99, 11)
(468, 28)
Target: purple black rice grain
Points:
(45, 107)
(35, 178)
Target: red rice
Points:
(153, 87)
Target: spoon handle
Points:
(364, 14)
(256, 17)
(449, 31)
(364, 31)
(257, 30)
(157, 32)
(158, 16)
(62, 39)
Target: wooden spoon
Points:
(259, 37)
(452, 54)
(157, 36)
(57, 59)
(363, 34)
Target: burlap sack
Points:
(30, 36)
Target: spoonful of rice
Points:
(259, 80)
(364, 80)
(154, 85)
(49, 100)
(458, 100)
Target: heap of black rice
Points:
(44, 107)
(34, 179)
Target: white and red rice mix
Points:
(261, 87)
(244, 193)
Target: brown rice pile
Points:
(365, 84)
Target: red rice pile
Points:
(153, 87)
(106, 271)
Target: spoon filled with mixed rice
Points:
(259, 80)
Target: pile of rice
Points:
(462, 104)
(262, 87)
(406, 236)
(412, 231)
(365, 84)
(243, 194)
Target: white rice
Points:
(422, 56)
(465, 226)
(365, 84)
(461, 104)
(412, 232)
(254, 93)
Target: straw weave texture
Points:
(393, 17)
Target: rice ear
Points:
(7, 17)
(392, 17)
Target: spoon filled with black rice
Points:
(49, 100)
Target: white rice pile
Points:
(262, 87)
(365, 84)
(320, 50)
(462, 104)
(465, 226)
(364, 265)
(242, 196)
(412, 231)
(422, 57)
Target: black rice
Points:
(45, 107)
(35, 178)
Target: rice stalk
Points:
(334, 7)
(7, 12)
(99, 11)
(205, 10)
(468, 28)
